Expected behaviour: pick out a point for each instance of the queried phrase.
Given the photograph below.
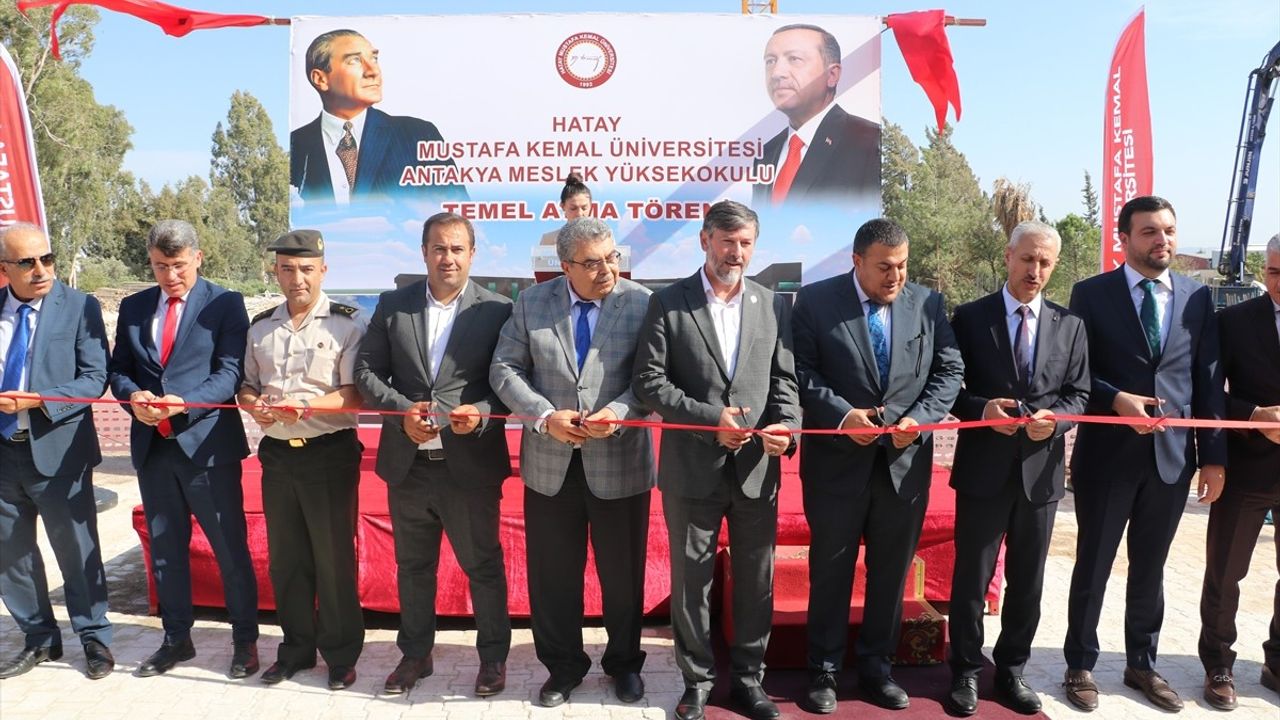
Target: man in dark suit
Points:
(824, 154)
(715, 350)
(426, 354)
(182, 342)
(1250, 334)
(354, 151)
(1023, 356)
(871, 349)
(52, 344)
(1153, 350)
(583, 474)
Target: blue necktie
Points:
(879, 343)
(582, 333)
(14, 362)
(1150, 320)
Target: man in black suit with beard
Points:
(1023, 355)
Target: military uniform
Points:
(310, 478)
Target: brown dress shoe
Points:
(491, 679)
(1220, 689)
(1082, 691)
(1154, 687)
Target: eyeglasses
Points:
(29, 263)
(595, 265)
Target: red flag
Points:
(20, 199)
(172, 20)
(1126, 135)
(924, 46)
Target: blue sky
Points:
(1032, 84)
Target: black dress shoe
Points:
(692, 704)
(628, 687)
(98, 660)
(29, 658)
(341, 677)
(244, 660)
(963, 698)
(279, 672)
(407, 674)
(1014, 692)
(163, 660)
(555, 691)
(491, 679)
(883, 691)
(821, 697)
(753, 702)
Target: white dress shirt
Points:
(1163, 292)
(440, 319)
(1012, 318)
(331, 133)
(157, 320)
(8, 327)
(886, 315)
(726, 316)
(575, 312)
(806, 133)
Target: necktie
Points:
(15, 360)
(347, 153)
(1150, 319)
(167, 335)
(1022, 349)
(787, 174)
(879, 343)
(582, 333)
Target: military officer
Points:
(298, 381)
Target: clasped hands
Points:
(1040, 426)
(150, 409)
(573, 428)
(860, 418)
(776, 438)
(267, 410)
(421, 426)
(14, 401)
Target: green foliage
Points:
(247, 162)
(95, 273)
(1090, 198)
(1079, 257)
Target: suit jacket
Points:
(205, 366)
(1059, 382)
(63, 439)
(842, 164)
(392, 374)
(681, 375)
(1187, 376)
(1251, 365)
(837, 371)
(388, 144)
(535, 369)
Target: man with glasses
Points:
(52, 345)
(564, 363)
(180, 348)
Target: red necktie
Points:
(788, 172)
(167, 336)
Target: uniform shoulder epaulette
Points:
(336, 308)
(264, 314)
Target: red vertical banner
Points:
(20, 199)
(1126, 135)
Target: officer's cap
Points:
(299, 243)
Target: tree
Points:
(1081, 247)
(1090, 197)
(248, 164)
(899, 159)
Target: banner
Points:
(660, 115)
(20, 199)
(1126, 135)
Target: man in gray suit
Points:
(871, 349)
(565, 357)
(52, 344)
(715, 350)
(426, 354)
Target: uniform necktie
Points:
(879, 343)
(15, 360)
(787, 175)
(167, 335)
(1150, 319)
(1022, 348)
(347, 153)
(582, 333)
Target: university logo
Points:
(586, 60)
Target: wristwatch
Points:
(307, 412)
